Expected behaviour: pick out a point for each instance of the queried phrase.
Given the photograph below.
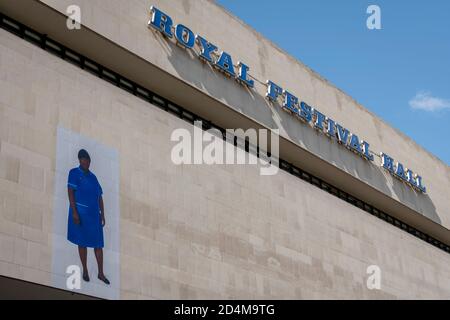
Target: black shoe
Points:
(86, 277)
(104, 279)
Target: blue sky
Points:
(401, 72)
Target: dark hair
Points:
(83, 154)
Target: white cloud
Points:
(425, 101)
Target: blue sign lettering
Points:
(273, 91)
(161, 22)
(243, 75)
(225, 63)
(207, 52)
(185, 36)
(206, 49)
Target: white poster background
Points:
(105, 165)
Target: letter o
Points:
(185, 36)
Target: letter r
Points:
(161, 22)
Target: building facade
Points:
(136, 71)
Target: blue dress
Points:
(87, 190)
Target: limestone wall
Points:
(187, 231)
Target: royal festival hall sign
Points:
(222, 61)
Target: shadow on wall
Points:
(205, 77)
(379, 178)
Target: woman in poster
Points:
(86, 214)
